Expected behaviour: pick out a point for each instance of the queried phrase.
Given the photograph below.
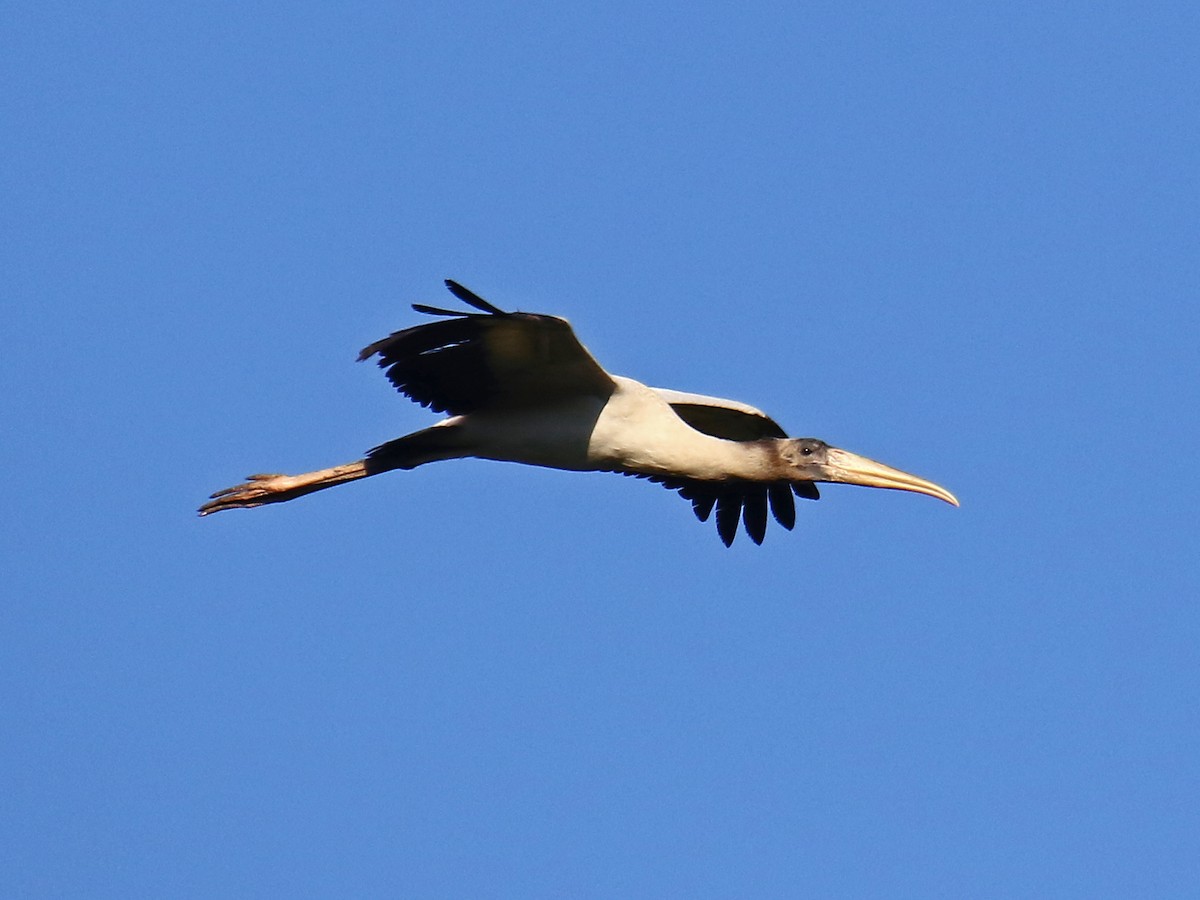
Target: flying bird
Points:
(520, 387)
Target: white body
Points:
(633, 430)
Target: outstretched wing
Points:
(488, 359)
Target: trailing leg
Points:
(408, 452)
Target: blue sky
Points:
(961, 239)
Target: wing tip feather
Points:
(470, 298)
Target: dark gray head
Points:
(810, 459)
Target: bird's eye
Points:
(807, 451)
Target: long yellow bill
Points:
(851, 468)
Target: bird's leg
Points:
(258, 490)
(438, 442)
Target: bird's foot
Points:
(258, 490)
(255, 491)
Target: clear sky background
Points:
(959, 238)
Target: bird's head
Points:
(809, 459)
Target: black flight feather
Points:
(806, 489)
(438, 311)
(754, 512)
(783, 507)
(473, 299)
(729, 510)
(702, 505)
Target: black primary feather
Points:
(754, 512)
(734, 501)
(783, 507)
(702, 505)
(806, 489)
(439, 311)
(729, 510)
(473, 299)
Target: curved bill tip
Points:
(942, 494)
(850, 468)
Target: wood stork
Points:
(521, 387)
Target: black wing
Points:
(747, 501)
(488, 359)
